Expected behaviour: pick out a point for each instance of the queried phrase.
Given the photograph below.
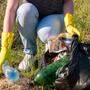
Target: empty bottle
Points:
(47, 75)
(10, 73)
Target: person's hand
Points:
(72, 30)
(6, 43)
(1, 61)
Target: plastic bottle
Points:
(10, 73)
(47, 75)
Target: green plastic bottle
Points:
(47, 75)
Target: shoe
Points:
(25, 63)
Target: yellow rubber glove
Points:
(69, 25)
(6, 43)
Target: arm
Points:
(68, 7)
(7, 34)
(68, 12)
(10, 14)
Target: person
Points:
(45, 18)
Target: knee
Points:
(26, 11)
(44, 33)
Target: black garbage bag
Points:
(77, 71)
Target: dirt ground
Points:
(22, 84)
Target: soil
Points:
(22, 84)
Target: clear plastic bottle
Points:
(10, 73)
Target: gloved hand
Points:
(69, 25)
(6, 43)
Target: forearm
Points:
(7, 34)
(9, 21)
(68, 12)
(68, 7)
(10, 15)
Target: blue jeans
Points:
(30, 27)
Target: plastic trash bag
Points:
(77, 71)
